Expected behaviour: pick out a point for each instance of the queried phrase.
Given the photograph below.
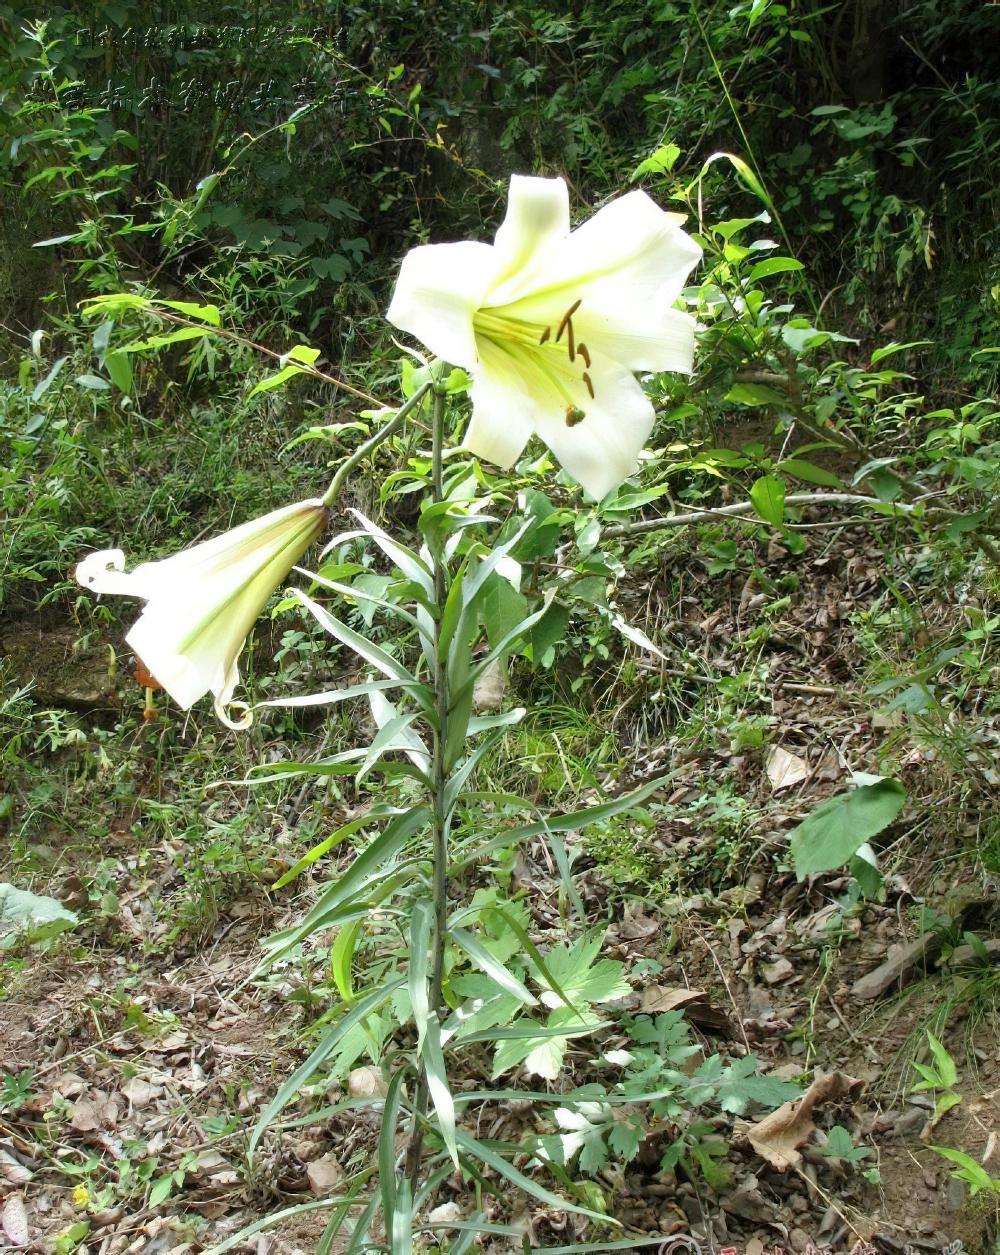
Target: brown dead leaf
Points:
(657, 998)
(778, 1136)
(367, 1082)
(324, 1175)
(696, 1004)
(785, 769)
(140, 1093)
(12, 1171)
(14, 1220)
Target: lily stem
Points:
(440, 817)
(372, 443)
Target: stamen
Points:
(584, 352)
(590, 386)
(574, 415)
(566, 317)
(570, 342)
(545, 335)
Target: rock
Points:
(60, 676)
(777, 971)
(898, 967)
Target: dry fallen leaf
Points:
(657, 998)
(785, 769)
(324, 1175)
(778, 1136)
(367, 1083)
(15, 1220)
(12, 1170)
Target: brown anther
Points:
(584, 352)
(545, 335)
(590, 386)
(570, 341)
(566, 317)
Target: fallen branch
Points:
(747, 507)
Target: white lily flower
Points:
(202, 602)
(553, 323)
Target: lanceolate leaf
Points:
(768, 497)
(570, 821)
(358, 876)
(363, 647)
(488, 1153)
(322, 1052)
(478, 953)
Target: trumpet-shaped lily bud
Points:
(201, 603)
(553, 323)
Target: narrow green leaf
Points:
(387, 1145)
(355, 1015)
(478, 953)
(809, 473)
(342, 956)
(437, 1083)
(487, 1155)
(363, 647)
(421, 929)
(567, 822)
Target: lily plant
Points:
(551, 324)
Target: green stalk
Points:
(362, 451)
(439, 815)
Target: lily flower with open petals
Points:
(202, 602)
(553, 323)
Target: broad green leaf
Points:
(809, 473)
(828, 837)
(773, 266)
(661, 161)
(30, 917)
(768, 497)
(755, 394)
(502, 608)
(165, 338)
(120, 369)
(270, 382)
(191, 309)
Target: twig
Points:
(747, 507)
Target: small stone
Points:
(777, 971)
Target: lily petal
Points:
(657, 339)
(440, 287)
(537, 222)
(602, 449)
(203, 602)
(502, 408)
(629, 259)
